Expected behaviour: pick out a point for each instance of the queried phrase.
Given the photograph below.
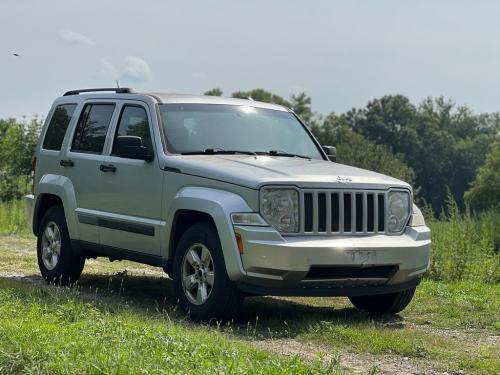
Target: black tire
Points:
(68, 267)
(224, 299)
(379, 304)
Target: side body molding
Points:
(219, 204)
(63, 188)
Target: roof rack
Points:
(118, 90)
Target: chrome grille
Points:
(342, 211)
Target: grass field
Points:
(122, 317)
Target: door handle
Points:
(67, 163)
(107, 168)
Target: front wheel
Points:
(379, 304)
(200, 277)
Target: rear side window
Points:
(133, 129)
(58, 125)
(92, 128)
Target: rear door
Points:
(131, 190)
(81, 162)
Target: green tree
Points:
(485, 190)
(301, 105)
(214, 92)
(17, 145)
(262, 95)
(450, 143)
(385, 120)
(443, 143)
(353, 149)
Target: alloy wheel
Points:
(197, 273)
(51, 245)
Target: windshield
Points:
(191, 128)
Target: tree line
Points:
(437, 146)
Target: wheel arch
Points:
(55, 190)
(195, 204)
(43, 203)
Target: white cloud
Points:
(108, 70)
(75, 38)
(136, 69)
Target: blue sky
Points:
(342, 53)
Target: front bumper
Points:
(275, 264)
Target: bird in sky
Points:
(16, 54)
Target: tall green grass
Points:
(12, 218)
(464, 246)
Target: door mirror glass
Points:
(331, 152)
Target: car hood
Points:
(256, 171)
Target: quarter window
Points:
(58, 125)
(92, 128)
(133, 129)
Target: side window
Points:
(92, 128)
(58, 125)
(133, 129)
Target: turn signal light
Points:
(239, 241)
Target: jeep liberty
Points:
(231, 197)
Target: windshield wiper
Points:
(218, 151)
(283, 153)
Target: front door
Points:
(131, 189)
(81, 163)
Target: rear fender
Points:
(63, 188)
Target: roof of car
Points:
(166, 98)
(205, 99)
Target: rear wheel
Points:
(200, 278)
(56, 259)
(379, 304)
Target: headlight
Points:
(399, 210)
(280, 207)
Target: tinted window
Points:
(92, 128)
(133, 128)
(57, 127)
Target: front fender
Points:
(63, 188)
(219, 204)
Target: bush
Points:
(485, 190)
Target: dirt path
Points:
(359, 363)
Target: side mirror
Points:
(331, 152)
(131, 147)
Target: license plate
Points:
(362, 256)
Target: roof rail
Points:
(118, 90)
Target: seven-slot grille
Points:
(342, 211)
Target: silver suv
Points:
(231, 197)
